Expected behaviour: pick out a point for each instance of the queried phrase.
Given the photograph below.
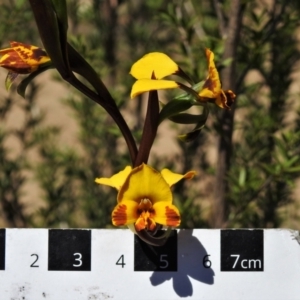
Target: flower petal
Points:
(212, 85)
(125, 213)
(146, 85)
(206, 92)
(156, 63)
(167, 215)
(172, 178)
(145, 183)
(116, 180)
(32, 55)
(225, 99)
(12, 62)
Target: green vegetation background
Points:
(247, 159)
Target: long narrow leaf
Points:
(49, 29)
(172, 108)
(185, 118)
(79, 65)
(21, 89)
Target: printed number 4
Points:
(120, 261)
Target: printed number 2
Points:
(78, 259)
(33, 265)
(120, 261)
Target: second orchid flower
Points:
(153, 67)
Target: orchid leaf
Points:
(185, 118)
(60, 7)
(188, 96)
(21, 89)
(51, 32)
(79, 65)
(190, 136)
(172, 108)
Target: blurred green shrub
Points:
(264, 161)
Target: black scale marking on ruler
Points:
(242, 250)
(2, 249)
(151, 258)
(69, 250)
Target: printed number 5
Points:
(78, 259)
(162, 260)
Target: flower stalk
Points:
(150, 129)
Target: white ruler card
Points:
(94, 264)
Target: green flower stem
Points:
(150, 129)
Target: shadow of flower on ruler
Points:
(190, 264)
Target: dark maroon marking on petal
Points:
(18, 69)
(12, 57)
(153, 75)
(173, 219)
(227, 98)
(24, 54)
(14, 63)
(209, 84)
(230, 97)
(38, 54)
(119, 216)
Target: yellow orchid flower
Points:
(151, 68)
(144, 197)
(22, 59)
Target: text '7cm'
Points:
(246, 263)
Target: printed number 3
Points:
(78, 259)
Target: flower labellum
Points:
(144, 197)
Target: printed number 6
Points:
(78, 259)
(166, 263)
(206, 262)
